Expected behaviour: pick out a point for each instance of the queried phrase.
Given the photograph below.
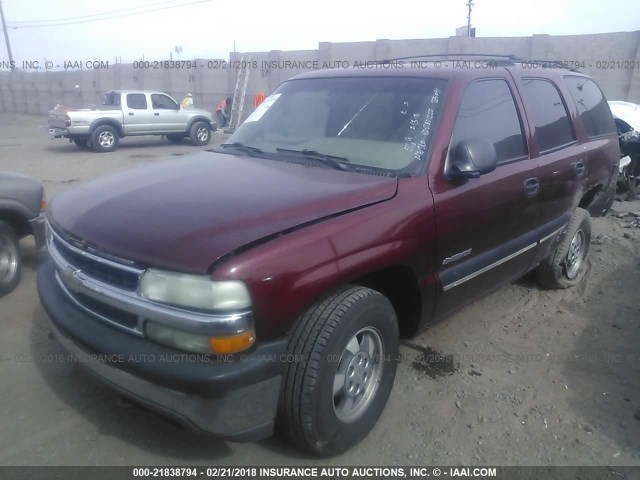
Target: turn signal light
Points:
(232, 344)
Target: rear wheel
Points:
(10, 259)
(565, 266)
(104, 139)
(344, 356)
(200, 133)
(175, 138)
(80, 141)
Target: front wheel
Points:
(10, 259)
(565, 265)
(104, 139)
(344, 353)
(200, 133)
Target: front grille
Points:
(100, 271)
(108, 312)
(102, 283)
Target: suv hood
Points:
(184, 214)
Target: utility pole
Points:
(470, 4)
(6, 35)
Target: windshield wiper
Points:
(331, 160)
(241, 146)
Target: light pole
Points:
(470, 4)
(6, 35)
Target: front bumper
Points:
(233, 399)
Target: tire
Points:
(10, 259)
(200, 133)
(104, 139)
(175, 138)
(565, 266)
(327, 347)
(80, 141)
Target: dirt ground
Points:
(522, 377)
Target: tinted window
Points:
(547, 113)
(591, 105)
(487, 110)
(163, 102)
(137, 101)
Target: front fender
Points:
(287, 274)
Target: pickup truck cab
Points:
(268, 281)
(131, 112)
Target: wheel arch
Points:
(106, 121)
(398, 283)
(18, 219)
(199, 118)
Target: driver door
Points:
(167, 115)
(486, 227)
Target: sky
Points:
(210, 28)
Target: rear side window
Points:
(488, 110)
(111, 98)
(548, 114)
(591, 105)
(137, 101)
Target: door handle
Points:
(531, 186)
(131, 113)
(156, 114)
(580, 168)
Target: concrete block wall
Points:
(38, 92)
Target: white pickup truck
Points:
(130, 112)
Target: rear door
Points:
(137, 116)
(560, 160)
(486, 226)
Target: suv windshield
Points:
(378, 123)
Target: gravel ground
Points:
(522, 377)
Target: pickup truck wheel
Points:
(80, 141)
(565, 266)
(344, 356)
(104, 139)
(175, 138)
(200, 133)
(10, 260)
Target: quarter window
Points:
(548, 114)
(591, 105)
(137, 101)
(488, 110)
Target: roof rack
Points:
(506, 59)
(512, 58)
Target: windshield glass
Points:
(380, 123)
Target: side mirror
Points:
(472, 157)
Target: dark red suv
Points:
(266, 283)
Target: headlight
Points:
(194, 291)
(194, 342)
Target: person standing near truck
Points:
(223, 110)
(187, 102)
